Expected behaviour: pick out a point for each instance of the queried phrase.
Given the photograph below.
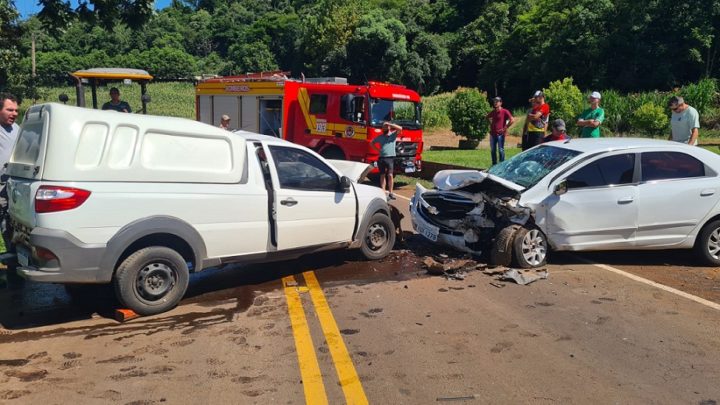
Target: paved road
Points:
(333, 329)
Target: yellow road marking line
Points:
(349, 380)
(307, 361)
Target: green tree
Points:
(253, 57)
(427, 63)
(9, 55)
(566, 102)
(168, 63)
(378, 48)
(467, 111)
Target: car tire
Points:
(378, 237)
(530, 248)
(151, 280)
(707, 244)
(502, 247)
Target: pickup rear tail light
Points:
(55, 198)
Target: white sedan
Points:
(581, 194)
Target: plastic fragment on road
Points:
(463, 398)
(523, 278)
(124, 315)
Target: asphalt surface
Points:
(331, 328)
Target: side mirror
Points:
(561, 188)
(344, 184)
(63, 98)
(145, 98)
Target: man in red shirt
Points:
(500, 120)
(536, 122)
(558, 132)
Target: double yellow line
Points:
(309, 368)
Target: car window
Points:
(670, 165)
(611, 170)
(531, 166)
(298, 169)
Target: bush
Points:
(617, 112)
(701, 95)
(566, 102)
(467, 111)
(435, 111)
(649, 119)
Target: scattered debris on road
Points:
(456, 268)
(464, 398)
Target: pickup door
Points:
(309, 208)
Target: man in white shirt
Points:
(684, 122)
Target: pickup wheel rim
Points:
(155, 280)
(377, 236)
(533, 247)
(713, 244)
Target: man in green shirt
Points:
(684, 122)
(590, 119)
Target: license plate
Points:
(23, 257)
(428, 232)
(409, 170)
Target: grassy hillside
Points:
(176, 99)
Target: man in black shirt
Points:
(115, 103)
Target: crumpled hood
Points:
(447, 180)
(355, 171)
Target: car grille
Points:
(448, 206)
(406, 148)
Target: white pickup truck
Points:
(143, 201)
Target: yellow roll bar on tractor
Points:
(96, 75)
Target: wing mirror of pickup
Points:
(561, 188)
(344, 184)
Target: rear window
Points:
(27, 148)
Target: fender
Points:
(375, 205)
(137, 229)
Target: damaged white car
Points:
(582, 194)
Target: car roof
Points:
(585, 145)
(252, 136)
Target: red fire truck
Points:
(336, 119)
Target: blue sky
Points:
(29, 7)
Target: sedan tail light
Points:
(55, 198)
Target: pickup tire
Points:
(152, 280)
(378, 237)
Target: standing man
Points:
(537, 120)
(225, 122)
(684, 122)
(115, 103)
(590, 119)
(8, 127)
(386, 161)
(8, 134)
(558, 132)
(500, 120)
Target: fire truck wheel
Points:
(332, 153)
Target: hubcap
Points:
(533, 247)
(155, 280)
(714, 244)
(377, 236)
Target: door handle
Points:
(289, 202)
(707, 192)
(626, 200)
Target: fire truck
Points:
(336, 119)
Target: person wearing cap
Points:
(590, 119)
(536, 122)
(684, 122)
(115, 103)
(500, 119)
(225, 122)
(558, 132)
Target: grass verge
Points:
(478, 158)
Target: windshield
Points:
(403, 113)
(529, 167)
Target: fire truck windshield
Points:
(401, 112)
